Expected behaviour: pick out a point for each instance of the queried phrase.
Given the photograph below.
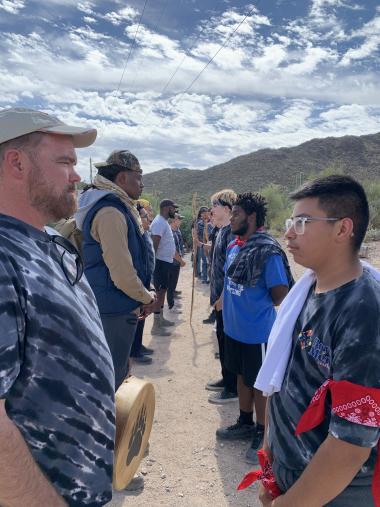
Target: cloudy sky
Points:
(285, 71)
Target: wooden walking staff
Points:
(194, 216)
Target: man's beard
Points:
(171, 214)
(242, 229)
(45, 199)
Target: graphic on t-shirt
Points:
(305, 340)
(321, 353)
(234, 288)
(315, 348)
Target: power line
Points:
(131, 47)
(171, 78)
(181, 63)
(126, 63)
(155, 27)
(218, 51)
(227, 39)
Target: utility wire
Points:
(127, 61)
(180, 64)
(218, 51)
(226, 41)
(171, 78)
(131, 47)
(155, 28)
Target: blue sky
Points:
(294, 70)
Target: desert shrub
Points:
(279, 206)
(372, 235)
(372, 189)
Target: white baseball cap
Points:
(19, 121)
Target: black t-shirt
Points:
(223, 238)
(337, 335)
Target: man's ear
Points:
(15, 163)
(345, 229)
(252, 219)
(120, 178)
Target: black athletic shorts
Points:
(161, 274)
(244, 359)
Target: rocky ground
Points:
(186, 465)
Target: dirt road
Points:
(186, 466)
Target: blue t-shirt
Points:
(248, 312)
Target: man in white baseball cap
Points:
(19, 121)
(57, 418)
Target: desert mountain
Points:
(358, 156)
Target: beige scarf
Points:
(103, 184)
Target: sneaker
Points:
(217, 355)
(142, 359)
(238, 431)
(158, 330)
(174, 310)
(166, 323)
(210, 319)
(146, 351)
(222, 397)
(215, 385)
(256, 444)
(206, 281)
(177, 292)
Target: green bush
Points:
(373, 193)
(372, 235)
(279, 207)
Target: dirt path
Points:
(186, 466)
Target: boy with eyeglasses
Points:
(323, 454)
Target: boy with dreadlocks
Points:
(257, 278)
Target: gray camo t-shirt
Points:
(56, 373)
(337, 336)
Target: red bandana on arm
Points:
(265, 475)
(353, 402)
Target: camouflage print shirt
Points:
(56, 373)
(337, 336)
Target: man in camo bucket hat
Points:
(123, 159)
(115, 253)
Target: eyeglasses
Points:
(298, 223)
(71, 261)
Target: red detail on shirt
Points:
(238, 241)
(241, 242)
(355, 403)
(265, 475)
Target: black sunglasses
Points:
(72, 275)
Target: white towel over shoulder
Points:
(271, 374)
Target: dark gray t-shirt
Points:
(56, 373)
(223, 238)
(337, 336)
